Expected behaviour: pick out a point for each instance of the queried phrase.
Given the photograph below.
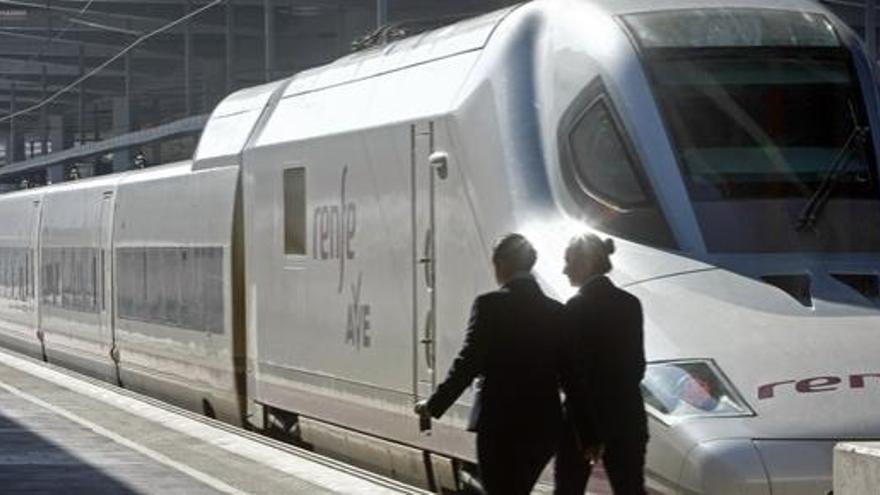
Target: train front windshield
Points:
(760, 105)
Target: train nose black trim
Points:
(867, 285)
(797, 286)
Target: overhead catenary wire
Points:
(112, 59)
(61, 33)
(49, 42)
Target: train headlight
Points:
(674, 390)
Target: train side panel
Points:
(174, 276)
(74, 261)
(337, 232)
(18, 305)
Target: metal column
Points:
(96, 120)
(381, 13)
(81, 98)
(11, 155)
(269, 37)
(123, 111)
(44, 114)
(871, 29)
(230, 46)
(129, 84)
(187, 63)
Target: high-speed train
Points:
(312, 267)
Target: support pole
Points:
(96, 119)
(11, 155)
(269, 38)
(871, 29)
(44, 114)
(81, 98)
(187, 62)
(381, 13)
(230, 46)
(44, 110)
(129, 84)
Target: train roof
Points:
(236, 120)
(467, 35)
(623, 7)
(474, 33)
(463, 36)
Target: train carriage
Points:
(312, 268)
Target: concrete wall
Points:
(857, 468)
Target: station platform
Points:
(63, 433)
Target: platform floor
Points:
(60, 433)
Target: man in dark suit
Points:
(605, 349)
(511, 349)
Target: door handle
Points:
(428, 340)
(427, 259)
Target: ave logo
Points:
(358, 327)
(334, 228)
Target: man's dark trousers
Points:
(511, 462)
(571, 471)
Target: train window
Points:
(295, 211)
(79, 266)
(179, 287)
(189, 312)
(76, 290)
(94, 281)
(170, 308)
(132, 281)
(27, 274)
(737, 27)
(69, 278)
(603, 172)
(56, 275)
(602, 163)
(7, 273)
(212, 295)
(155, 288)
(66, 277)
(100, 293)
(201, 270)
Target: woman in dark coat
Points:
(604, 364)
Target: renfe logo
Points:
(334, 229)
(817, 384)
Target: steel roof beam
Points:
(27, 67)
(111, 49)
(24, 87)
(206, 23)
(184, 126)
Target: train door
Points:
(424, 261)
(36, 270)
(104, 278)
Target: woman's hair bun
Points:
(609, 246)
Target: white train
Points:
(315, 262)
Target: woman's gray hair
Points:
(591, 247)
(515, 250)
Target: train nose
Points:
(725, 467)
(759, 467)
(798, 466)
